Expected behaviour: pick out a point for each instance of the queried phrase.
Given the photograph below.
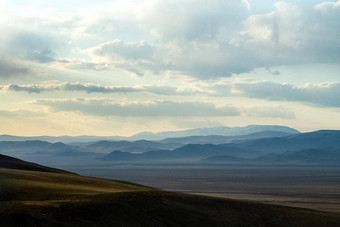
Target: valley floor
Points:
(316, 187)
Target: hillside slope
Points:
(32, 198)
(14, 163)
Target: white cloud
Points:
(192, 20)
(290, 35)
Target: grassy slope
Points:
(31, 198)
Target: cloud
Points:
(325, 94)
(32, 46)
(205, 40)
(163, 109)
(276, 72)
(194, 42)
(95, 88)
(221, 39)
(119, 49)
(270, 112)
(135, 57)
(107, 107)
(322, 95)
(12, 69)
(290, 35)
(198, 20)
(20, 114)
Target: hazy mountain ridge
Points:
(243, 148)
(224, 131)
(306, 156)
(217, 131)
(246, 151)
(35, 147)
(218, 139)
(138, 146)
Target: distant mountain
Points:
(63, 139)
(217, 131)
(318, 139)
(173, 150)
(325, 155)
(213, 139)
(8, 162)
(119, 156)
(247, 150)
(224, 159)
(189, 152)
(36, 147)
(138, 146)
(306, 156)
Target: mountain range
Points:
(249, 150)
(220, 131)
(264, 146)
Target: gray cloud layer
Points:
(107, 107)
(94, 88)
(102, 107)
(325, 94)
(10, 69)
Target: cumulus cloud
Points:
(197, 38)
(135, 57)
(290, 35)
(218, 40)
(119, 49)
(193, 20)
(107, 107)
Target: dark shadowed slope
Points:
(32, 198)
(14, 163)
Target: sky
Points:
(119, 67)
